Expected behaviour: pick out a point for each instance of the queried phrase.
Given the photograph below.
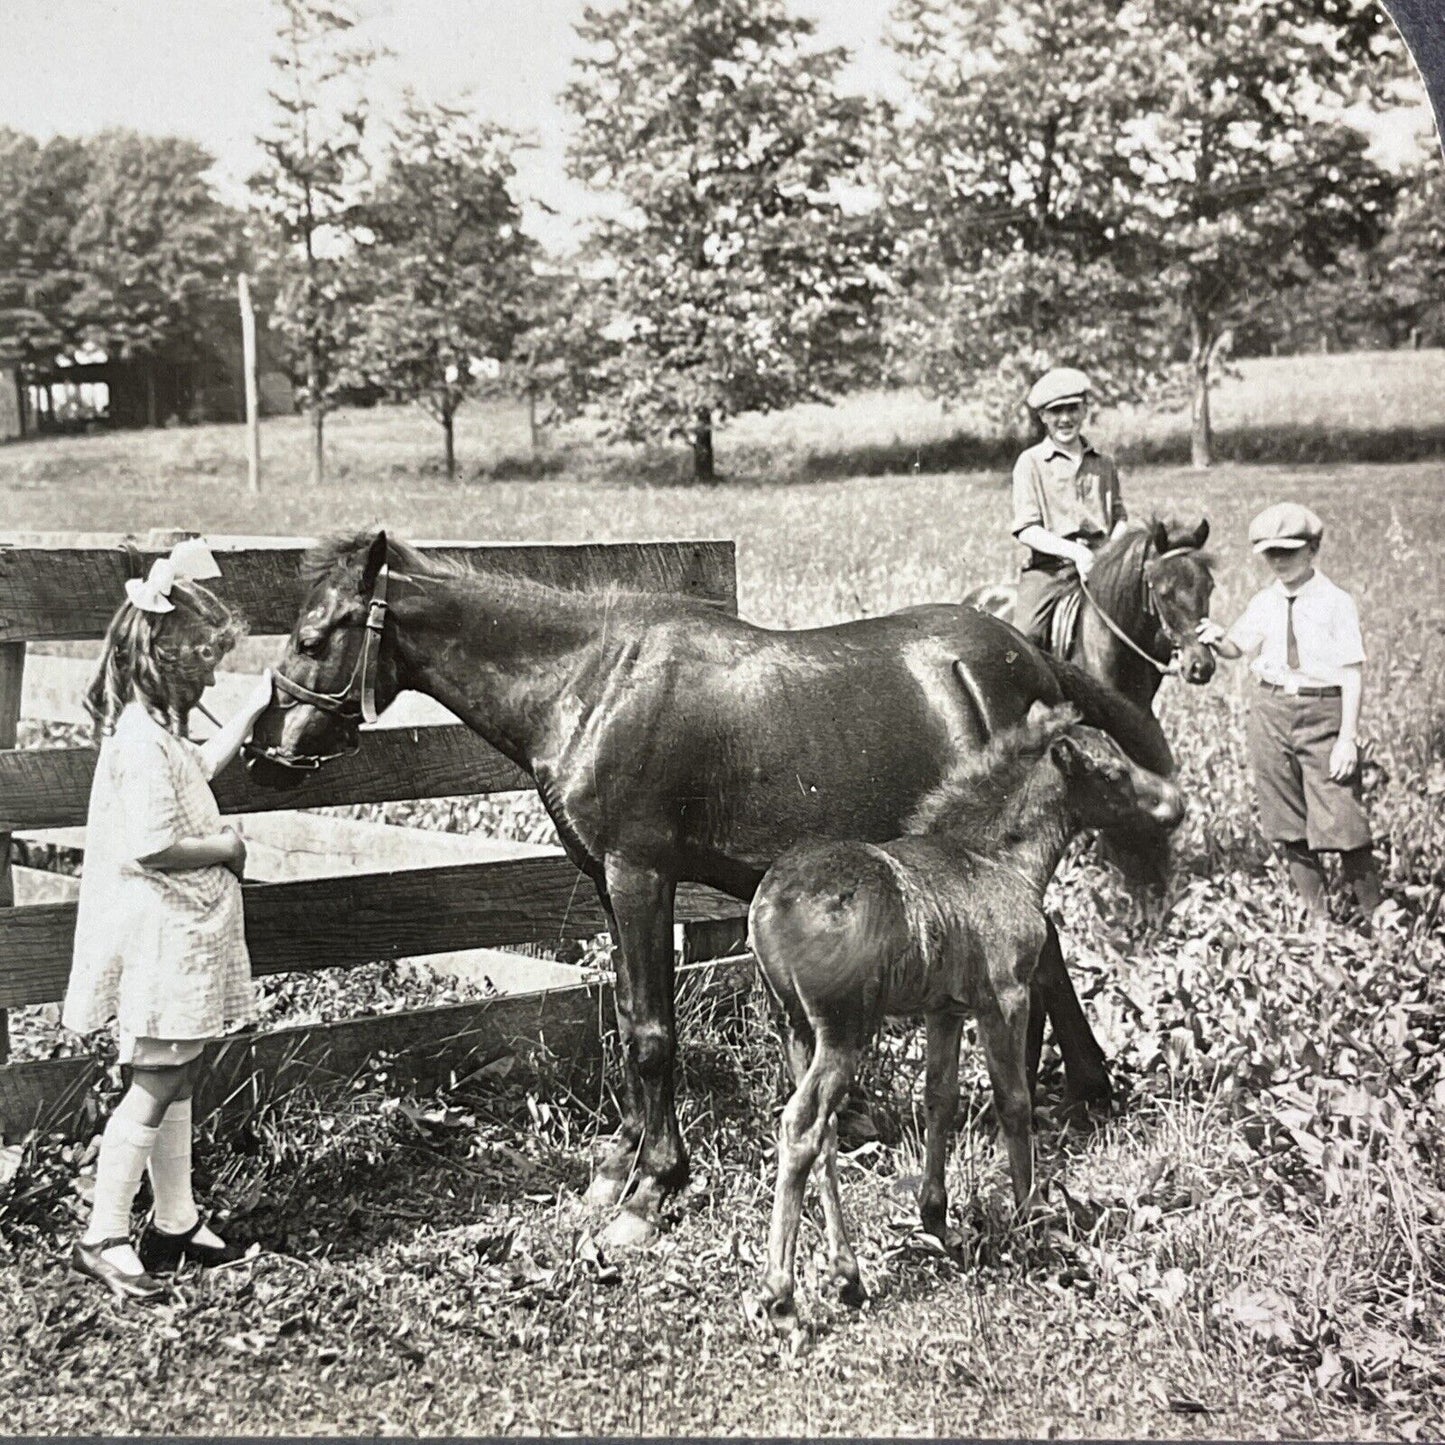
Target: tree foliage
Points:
(315, 169)
(446, 272)
(1120, 185)
(735, 277)
(153, 249)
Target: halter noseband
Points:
(356, 702)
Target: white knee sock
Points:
(170, 1170)
(124, 1148)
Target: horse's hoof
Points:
(848, 1289)
(604, 1192)
(629, 1230)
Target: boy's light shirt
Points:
(1326, 628)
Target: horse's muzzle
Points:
(1197, 664)
(1165, 803)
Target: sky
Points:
(200, 68)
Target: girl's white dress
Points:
(164, 953)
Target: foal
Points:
(943, 922)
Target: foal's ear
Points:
(1068, 757)
(375, 561)
(1039, 713)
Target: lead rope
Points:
(1161, 668)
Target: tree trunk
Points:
(532, 431)
(150, 393)
(1201, 439)
(449, 432)
(702, 459)
(318, 417)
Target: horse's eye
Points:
(310, 641)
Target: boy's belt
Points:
(1293, 689)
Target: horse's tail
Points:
(1134, 728)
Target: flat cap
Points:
(1062, 383)
(1285, 524)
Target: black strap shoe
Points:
(88, 1259)
(160, 1252)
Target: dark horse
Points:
(671, 741)
(945, 922)
(1154, 585)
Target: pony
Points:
(944, 921)
(1139, 611)
(671, 741)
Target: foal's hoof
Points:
(604, 1192)
(630, 1230)
(769, 1315)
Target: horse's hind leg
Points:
(1084, 1066)
(801, 1138)
(941, 1101)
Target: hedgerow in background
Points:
(732, 275)
(314, 172)
(443, 273)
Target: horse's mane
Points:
(1118, 569)
(345, 553)
(977, 788)
(1134, 728)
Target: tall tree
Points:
(41, 186)
(154, 249)
(314, 173)
(1120, 185)
(735, 277)
(1249, 184)
(446, 271)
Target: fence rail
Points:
(53, 591)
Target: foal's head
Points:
(335, 671)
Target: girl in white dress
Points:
(160, 944)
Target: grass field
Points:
(1257, 1247)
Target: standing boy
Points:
(1304, 722)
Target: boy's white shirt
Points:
(1326, 628)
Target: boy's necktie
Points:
(1291, 643)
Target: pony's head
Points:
(335, 673)
(1180, 583)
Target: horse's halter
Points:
(1151, 609)
(355, 702)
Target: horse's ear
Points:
(1159, 534)
(375, 561)
(1199, 536)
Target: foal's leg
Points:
(801, 1137)
(642, 905)
(1002, 1027)
(1084, 1066)
(615, 1161)
(941, 1101)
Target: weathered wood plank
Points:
(49, 1093)
(52, 593)
(340, 922)
(50, 787)
(12, 676)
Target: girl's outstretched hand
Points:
(259, 698)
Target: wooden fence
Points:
(58, 591)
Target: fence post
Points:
(12, 670)
(253, 400)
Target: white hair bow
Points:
(190, 561)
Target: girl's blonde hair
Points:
(154, 655)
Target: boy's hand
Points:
(1344, 758)
(1209, 632)
(1083, 562)
(236, 858)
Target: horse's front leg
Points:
(945, 1032)
(1084, 1065)
(642, 906)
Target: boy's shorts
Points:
(1290, 739)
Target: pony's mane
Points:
(975, 791)
(1118, 569)
(346, 554)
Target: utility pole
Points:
(248, 366)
